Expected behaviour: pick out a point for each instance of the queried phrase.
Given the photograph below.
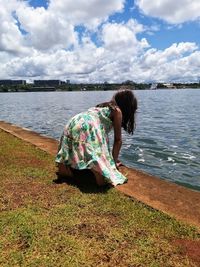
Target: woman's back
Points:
(96, 117)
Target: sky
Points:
(92, 41)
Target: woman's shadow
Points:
(84, 180)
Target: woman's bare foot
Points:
(99, 178)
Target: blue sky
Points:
(38, 3)
(163, 38)
(99, 40)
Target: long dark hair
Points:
(127, 102)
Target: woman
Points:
(85, 145)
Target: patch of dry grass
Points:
(47, 224)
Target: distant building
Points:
(62, 83)
(50, 83)
(153, 86)
(12, 82)
(68, 81)
(169, 85)
(18, 82)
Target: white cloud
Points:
(117, 36)
(177, 50)
(89, 63)
(60, 64)
(122, 37)
(45, 29)
(53, 28)
(90, 13)
(51, 49)
(176, 63)
(10, 36)
(173, 12)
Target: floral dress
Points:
(85, 144)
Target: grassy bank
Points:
(43, 223)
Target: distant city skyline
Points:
(98, 40)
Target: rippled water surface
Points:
(166, 142)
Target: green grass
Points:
(47, 224)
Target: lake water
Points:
(166, 142)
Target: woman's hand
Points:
(118, 164)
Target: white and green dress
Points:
(85, 144)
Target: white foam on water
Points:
(188, 156)
(141, 160)
(170, 159)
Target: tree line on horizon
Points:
(94, 86)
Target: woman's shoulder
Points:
(116, 113)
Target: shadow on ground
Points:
(84, 180)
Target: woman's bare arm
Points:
(117, 122)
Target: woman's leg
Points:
(64, 170)
(99, 178)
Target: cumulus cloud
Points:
(173, 12)
(43, 43)
(46, 30)
(121, 37)
(116, 36)
(176, 63)
(53, 27)
(10, 36)
(60, 64)
(179, 62)
(90, 13)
